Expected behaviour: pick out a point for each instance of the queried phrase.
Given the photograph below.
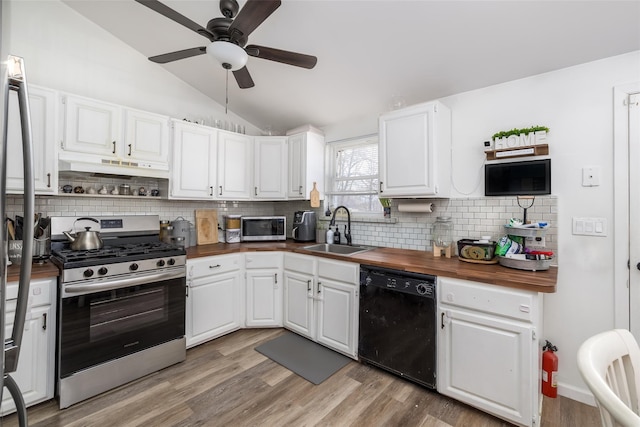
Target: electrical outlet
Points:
(535, 242)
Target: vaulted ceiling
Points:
(370, 52)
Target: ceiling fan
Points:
(228, 37)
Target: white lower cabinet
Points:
(488, 349)
(264, 289)
(35, 374)
(214, 297)
(321, 301)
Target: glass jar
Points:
(443, 231)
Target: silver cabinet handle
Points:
(220, 190)
(215, 266)
(49, 180)
(319, 284)
(380, 186)
(211, 190)
(114, 147)
(308, 285)
(276, 281)
(255, 191)
(129, 149)
(300, 190)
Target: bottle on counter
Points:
(329, 236)
(336, 236)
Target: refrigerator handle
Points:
(18, 83)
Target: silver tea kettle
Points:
(85, 240)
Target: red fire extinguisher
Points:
(549, 370)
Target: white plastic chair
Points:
(610, 366)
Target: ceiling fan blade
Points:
(252, 14)
(243, 78)
(166, 11)
(180, 54)
(283, 56)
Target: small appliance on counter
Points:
(263, 228)
(304, 226)
(232, 228)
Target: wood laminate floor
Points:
(227, 383)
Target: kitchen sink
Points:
(338, 249)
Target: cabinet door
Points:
(487, 362)
(270, 172)
(213, 307)
(406, 153)
(235, 166)
(91, 127)
(42, 105)
(32, 375)
(299, 312)
(146, 138)
(297, 166)
(193, 168)
(264, 297)
(337, 315)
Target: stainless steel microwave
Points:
(263, 228)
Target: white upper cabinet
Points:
(193, 167)
(270, 167)
(235, 166)
(114, 134)
(42, 105)
(91, 127)
(415, 151)
(306, 165)
(146, 137)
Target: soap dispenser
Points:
(329, 236)
(336, 236)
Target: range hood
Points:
(113, 167)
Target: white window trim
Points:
(330, 155)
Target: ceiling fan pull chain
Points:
(226, 93)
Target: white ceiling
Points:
(370, 51)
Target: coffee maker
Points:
(304, 226)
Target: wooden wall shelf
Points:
(507, 153)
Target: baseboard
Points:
(579, 394)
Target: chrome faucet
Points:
(347, 234)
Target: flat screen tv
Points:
(530, 178)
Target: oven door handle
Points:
(123, 283)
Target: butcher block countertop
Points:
(407, 260)
(38, 271)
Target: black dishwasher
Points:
(398, 323)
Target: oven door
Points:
(105, 325)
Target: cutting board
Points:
(315, 197)
(207, 226)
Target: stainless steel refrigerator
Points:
(12, 70)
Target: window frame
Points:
(331, 156)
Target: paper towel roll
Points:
(415, 207)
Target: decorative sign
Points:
(520, 141)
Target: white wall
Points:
(576, 104)
(65, 51)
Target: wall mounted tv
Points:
(530, 178)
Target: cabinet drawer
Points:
(300, 263)
(212, 265)
(263, 260)
(495, 300)
(39, 292)
(342, 271)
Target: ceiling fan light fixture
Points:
(229, 55)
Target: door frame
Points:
(621, 202)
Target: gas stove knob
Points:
(133, 267)
(88, 272)
(160, 263)
(102, 271)
(421, 289)
(171, 261)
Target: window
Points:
(354, 175)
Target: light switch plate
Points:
(590, 226)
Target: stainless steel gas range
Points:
(121, 311)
